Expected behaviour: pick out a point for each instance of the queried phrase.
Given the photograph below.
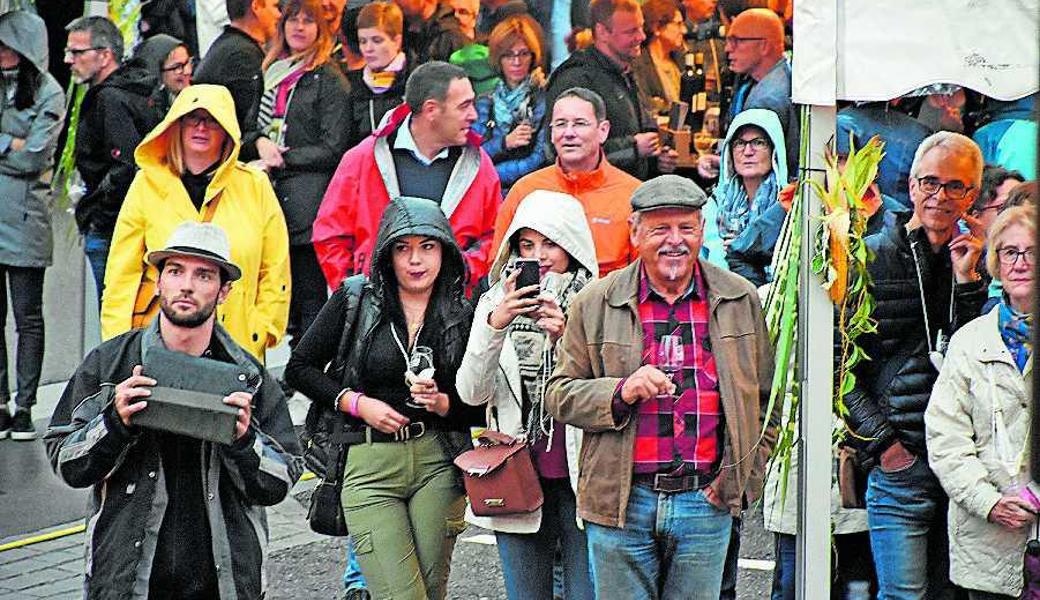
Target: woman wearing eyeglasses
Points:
(743, 217)
(32, 106)
(977, 423)
(189, 171)
(168, 58)
(510, 117)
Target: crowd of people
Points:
(367, 177)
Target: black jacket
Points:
(892, 389)
(235, 61)
(317, 136)
(453, 315)
(115, 116)
(366, 108)
(626, 110)
(437, 39)
(88, 445)
(153, 51)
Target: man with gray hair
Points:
(114, 117)
(925, 285)
(425, 149)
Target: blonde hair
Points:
(384, 16)
(1024, 215)
(517, 28)
(319, 53)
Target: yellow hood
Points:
(152, 153)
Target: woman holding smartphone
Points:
(402, 496)
(510, 354)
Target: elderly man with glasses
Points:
(114, 116)
(925, 285)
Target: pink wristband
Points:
(354, 404)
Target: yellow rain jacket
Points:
(257, 309)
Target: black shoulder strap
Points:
(355, 288)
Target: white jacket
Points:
(974, 458)
(489, 373)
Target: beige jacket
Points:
(603, 343)
(974, 457)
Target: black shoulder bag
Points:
(324, 449)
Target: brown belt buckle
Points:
(670, 484)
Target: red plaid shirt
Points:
(687, 431)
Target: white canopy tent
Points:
(877, 50)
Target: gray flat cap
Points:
(668, 191)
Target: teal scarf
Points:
(510, 105)
(1016, 329)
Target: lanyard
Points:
(400, 346)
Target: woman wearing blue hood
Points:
(401, 492)
(32, 108)
(743, 218)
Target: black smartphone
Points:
(530, 274)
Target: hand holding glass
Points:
(670, 357)
(420, 366)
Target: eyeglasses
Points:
(755, 143)
(577, 124)
(193, 120)
(736, 40)
(77, 52)
(181, 67)
(1009, 256)
(518, 56)
(955, 190)
(993, 206)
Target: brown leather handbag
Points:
(499, 476)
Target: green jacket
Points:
(603, 343)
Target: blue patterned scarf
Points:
(736, 211)
(1016, 329)
(510, 105)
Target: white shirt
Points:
(405, 141)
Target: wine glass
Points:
(670, 356)
(420, 365)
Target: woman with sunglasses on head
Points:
(32, 106)
(977, 423)
(402, 496)
(511, 352)
(301, 112)
(189, 171)
(510, 118)
(742, 219)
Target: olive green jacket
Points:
(603, 342)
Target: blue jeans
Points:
(784, 550)
(95, 246)
(352, 577)
(527, 559)
(906, 510)
(672, 546)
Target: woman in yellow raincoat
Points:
(189, 171)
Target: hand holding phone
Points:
(530, 274)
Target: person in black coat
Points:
(379, 86)
(301, 110)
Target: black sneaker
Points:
(22, 428)
(5, 423)
(357, 594)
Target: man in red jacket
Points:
(425, 149)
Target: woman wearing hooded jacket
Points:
(401, 493)
(189, 171)
(301, 112)
(743, 218)
(509, 357)
(32, 107)
(168, 58)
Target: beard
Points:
(190, 320)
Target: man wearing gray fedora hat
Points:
(666, 366)
(177, 494)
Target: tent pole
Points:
(815, 351)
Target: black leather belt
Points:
(368, 435)
(673, 484)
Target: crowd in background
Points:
(427, 145)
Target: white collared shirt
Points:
(405, 141)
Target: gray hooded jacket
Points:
(25, 221)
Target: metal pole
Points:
(815, 349)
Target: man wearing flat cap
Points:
(173, 515)
(667, 460)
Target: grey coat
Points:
(25, 222)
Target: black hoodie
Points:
(115, 116)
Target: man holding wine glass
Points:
(666, 366)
